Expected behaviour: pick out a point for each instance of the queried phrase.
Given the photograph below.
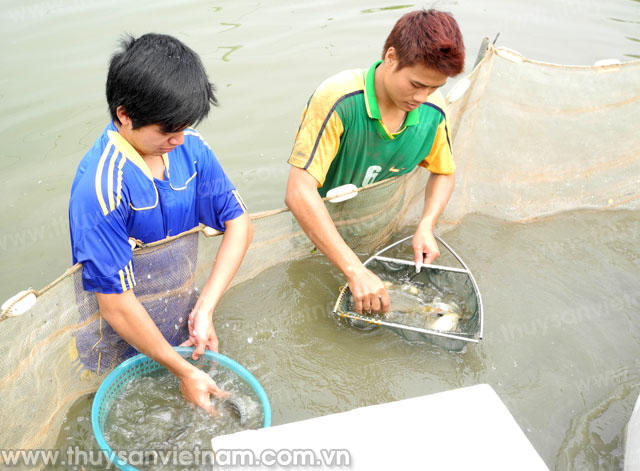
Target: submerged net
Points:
(439, 304)
(529, 139)
(435, 305)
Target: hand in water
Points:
(368, 291)
(197, 387)
(202, 334)
(425, 247)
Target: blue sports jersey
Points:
(115, 197)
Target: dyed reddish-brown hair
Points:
(428, 37)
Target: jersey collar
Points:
(371, 101)
(129, 152)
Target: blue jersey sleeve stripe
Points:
(119, 186)
(110, 180)
(126, 269)
(240, 201)
(123, 146)
(124, 286)
(133, 276)
(98, 182)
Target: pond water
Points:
(562, 294)
(561, 346)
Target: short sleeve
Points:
(318, 138)
(100, 242)
(440, 158)
(218, 200)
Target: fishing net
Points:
(61, 349)
(438, 304)
(532, 139)
(529, 139)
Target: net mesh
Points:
(66, 348)
(529, 139)
(436, 305)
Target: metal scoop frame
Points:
(372, 320)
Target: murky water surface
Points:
(561, 298)
(562, 295)
(266, 58)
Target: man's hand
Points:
(425, 247)
(368, 291)
(235, 242)
(202, 334)
(130, 320)
(306, 205)
(197, 386)
(437, 194)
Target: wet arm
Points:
(235, 242)
(131, 321)
(305, 203)
(438, 191)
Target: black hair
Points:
(159, 80)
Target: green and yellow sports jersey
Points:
(342, 139)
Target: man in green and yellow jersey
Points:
(364, 126)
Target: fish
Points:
(412, 289)
(238, 407)
(410, 309)
(445, 317)
(445, 323)
(405, 301)
(179, 434)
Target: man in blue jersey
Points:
(147, 177)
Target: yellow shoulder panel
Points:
(440, 159)
(318, 138)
